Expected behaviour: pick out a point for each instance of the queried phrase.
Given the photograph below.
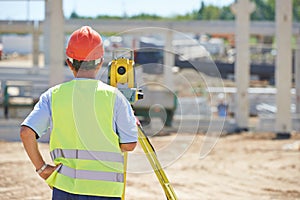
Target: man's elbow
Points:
(128, 146)
(26, 133)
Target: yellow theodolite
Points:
(121, 74)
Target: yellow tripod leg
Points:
(125, 174)
(159, 172)
(151, 155)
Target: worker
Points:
(91, 125)
(222, 106)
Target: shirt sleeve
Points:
(124, 120)
(39, 120)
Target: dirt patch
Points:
(244, 166)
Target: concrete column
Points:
(242, 10)
(36, 44)
(283, 75)
(46, 33)
(169, 60)
(297, 75)
(56, 39)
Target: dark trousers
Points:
(62, 195)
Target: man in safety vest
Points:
(91, 125)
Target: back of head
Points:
(85, 47)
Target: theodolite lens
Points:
(121, 70)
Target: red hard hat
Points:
(85, 44)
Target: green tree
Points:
(108, 17)
(211, 13)
(296, 10)
(226, 13)
(199, 15)
(74, 15)
(264, 10)
(144, 16)
(188, 16)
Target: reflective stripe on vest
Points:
(83, 140)
(91, 175)
(86, 155)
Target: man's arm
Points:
(125, 123)
(30, 144)
(128, 146)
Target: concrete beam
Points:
(210, 27)
(15, 26)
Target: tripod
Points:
(121, 73)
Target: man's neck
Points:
(86, 74)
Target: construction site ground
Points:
(240, 166)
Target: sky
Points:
(35, 9)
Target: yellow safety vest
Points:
(83, 140)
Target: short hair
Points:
(84, 65)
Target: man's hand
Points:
(137, 121)
(48, 171)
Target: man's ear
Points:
(70, 65)
(100, 64)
